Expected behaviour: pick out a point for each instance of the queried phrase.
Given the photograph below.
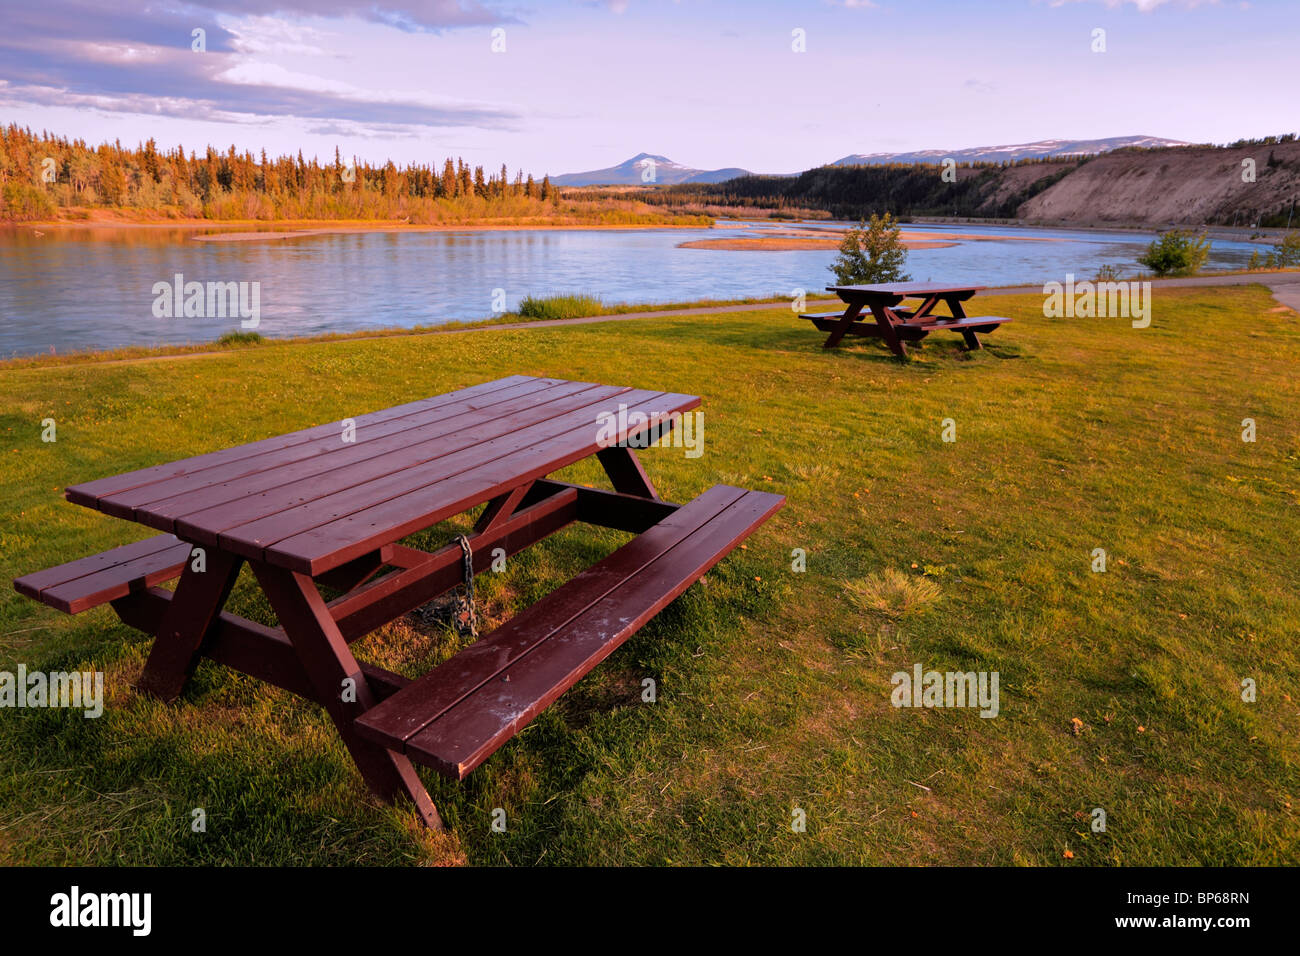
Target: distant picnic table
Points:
(310, 508)
(897, 326)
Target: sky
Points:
(556, 86)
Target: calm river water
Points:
(72, 289)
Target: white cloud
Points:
(253, 73)
(119, 53)
(263, 75)
(263, 34)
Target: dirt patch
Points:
(775, 244)
(789, 240)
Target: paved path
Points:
(1286, 290)
(1285, 287)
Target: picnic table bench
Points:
(309, 508)
(897, 326)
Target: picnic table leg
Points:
(972, 343)
(332, 669)
(850, 316)
(200, 595)
(885, 319)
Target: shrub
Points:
(1177, 252)
(242, 339)
(23, 203)
(560, 306)
(871, 252)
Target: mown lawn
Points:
(1120, 690)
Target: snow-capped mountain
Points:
(647, 168)
(999, 154)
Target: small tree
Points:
(1177, 252)
(1285, 255)
(1288, 252)
(871, 252)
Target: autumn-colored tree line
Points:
(42, 175)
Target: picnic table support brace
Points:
(329, 665)
(501, 508)
(357, 571)
(625, 471)
(261, 652)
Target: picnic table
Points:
(897, 326)
(311, 508)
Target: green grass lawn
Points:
(1119, 690)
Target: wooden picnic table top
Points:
(902, 288)
(309, 500)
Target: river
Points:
(70, 289)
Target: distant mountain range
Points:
(666, 172)
(641, 167)
(1003, 154)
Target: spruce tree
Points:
(873, 251)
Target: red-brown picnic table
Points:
(330, 505)
(896, 325)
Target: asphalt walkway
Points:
(1285, 287)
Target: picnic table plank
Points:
(208, 519)
(906, 289)
(470, 731)
(119, 572)
(343, 459)
(396, 720)
(87, 493)
(31, 585)
(345, 536)
(250, 524)
(328, 450)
